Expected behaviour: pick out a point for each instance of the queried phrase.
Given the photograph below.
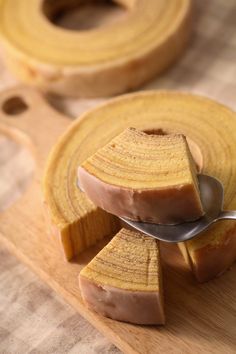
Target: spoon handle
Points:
(227, 215)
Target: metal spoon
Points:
(212, 196)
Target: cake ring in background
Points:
(103, 61)
(211, 132)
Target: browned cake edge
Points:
(138, 307)
(211, 261)
(165, 206)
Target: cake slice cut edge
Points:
(124, 280)
(142, 177)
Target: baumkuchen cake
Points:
(210, 129)
(124, 280)
(100, 61)
(144, 177)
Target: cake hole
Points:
(158, 131)
(17, 167)
(84, 15)
(14, 106)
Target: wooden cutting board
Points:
(201, 318)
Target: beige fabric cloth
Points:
(33, 319)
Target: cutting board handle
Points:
(25, 116)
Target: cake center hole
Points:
(158, 131)
(14, 106)
(81, 15)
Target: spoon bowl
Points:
(212, 197)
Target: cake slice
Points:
(212, 252)
(124, 280)
(144, 177)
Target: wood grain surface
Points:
(199, 316)
(33, 318)
(36, 320)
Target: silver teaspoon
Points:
(212, 196)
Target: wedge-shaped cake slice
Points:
(124, 281)
(144, 177)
